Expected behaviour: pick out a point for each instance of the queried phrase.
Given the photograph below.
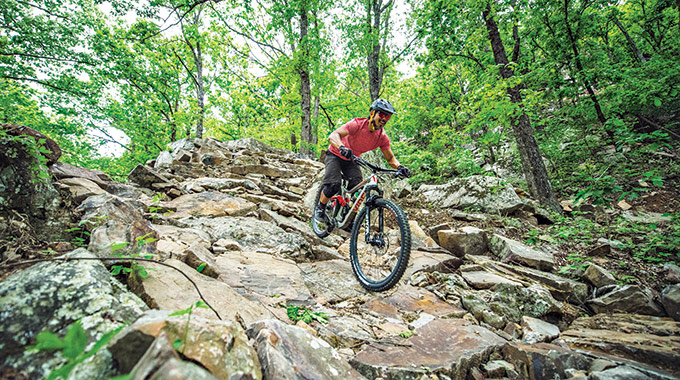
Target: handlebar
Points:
(375, 168)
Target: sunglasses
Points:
(384, 115)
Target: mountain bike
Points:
(380, 242)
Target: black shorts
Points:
(336, 165)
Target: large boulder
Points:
(448, 346)
(488, 194)
(626, 299)
(63, 170)
(509, 250)
(544, 361)
(468, 241)
(52, 296)
(291, 353)
(113, 220)
(25, 185)
(219, 346)
(255, 235)
(670, 298)
(51, 150)
(642, 338)
(146, 176)
(168, 287)
(212, 203)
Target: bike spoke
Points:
(376, 250)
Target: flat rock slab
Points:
(485, 280)
(64, 170)
(421, 261)
(643, 338)
(292, 353)
(81, 188)
(331, 281)
(221, 347)
(563, 289)
(409, 299)
(447, 346)
(544, 361)
(626, 299)
(347, 330)
(51, 296)
(264, 277)
(167, 289)
(513, 251)
(211, 203)
(220, 184)
(254, 235)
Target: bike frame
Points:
(366, 186)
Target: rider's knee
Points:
(330, 189)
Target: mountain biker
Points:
(354, 138)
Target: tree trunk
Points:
(641, 58)
(200, 91)
(315, 117)
(305, 91)
(579, 66)
(375, 11)
(532, 163)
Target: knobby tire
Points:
(367, 259)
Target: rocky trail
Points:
(231, 220)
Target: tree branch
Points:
(44, 83)
(9, 54)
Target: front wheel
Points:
(380, 245)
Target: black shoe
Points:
(320, 215)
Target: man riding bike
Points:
(354, 138)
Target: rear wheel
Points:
(380, 245)
(320, 228)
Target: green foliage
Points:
(652, 243)
(576, 262)
(180, 344)
(72, 347)
(134, 266)
(299, 313)
(81, 232)
(407, 334)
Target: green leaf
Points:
(61, 372)
(118, 246)
(140, 238)
(141, 272)
(104, 340)
(657, 102)
(182, 312)
(115, 270)
(177, 344)
(47, 340)
(75, 341)
(122, 377)
(201, 267)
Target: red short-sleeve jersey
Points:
(361, 139)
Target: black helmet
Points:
(382, 105)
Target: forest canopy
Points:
(587, 89)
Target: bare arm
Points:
(336, 135)
(389, 157)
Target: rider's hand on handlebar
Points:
(346, 152)
(403, 171)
